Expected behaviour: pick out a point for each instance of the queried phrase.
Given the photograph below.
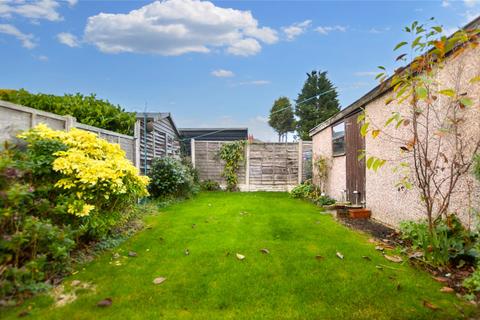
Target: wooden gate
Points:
(354, 143)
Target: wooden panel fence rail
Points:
(268, 166)
(15, 118)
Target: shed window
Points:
(338, 139)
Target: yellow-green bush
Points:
(93, 170)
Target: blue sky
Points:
(219, 63)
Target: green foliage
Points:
(209, 185)
(38, 234)
(86, 109)
(472, 283)
(309, 191)
(318, 109)
(281, 117)
(233, 155)
(476, 166)
(169, 177)
(322, 168)
(447, 244)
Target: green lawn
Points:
(211, 283)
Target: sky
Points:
(211, 64)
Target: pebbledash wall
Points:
(15, 118)
(268, 166)
(388, 203)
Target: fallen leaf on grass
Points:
(367, 258)
(187, 252)
(319, 257)
(75, 283)
(107, 302)
(372, 240)
(440, 279)
(399, 287)
(265, 251)
(379, 248)
(415, 255)
(132, 254)
(430, 305)
(24, 313)
(395, 259)
(159, 280)
(446, 289)
(339, 255)
(240, 256)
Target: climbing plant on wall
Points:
(233, 155)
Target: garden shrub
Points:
(170, 178)
(308, 190)
(58, 192)
(209, 185)
(233, 155)
(86, 109)
(447, 244)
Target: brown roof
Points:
(376, 92)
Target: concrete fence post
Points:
(192, 148)
(136, 143)
(69, 122)
(247, 166)
(300, 161)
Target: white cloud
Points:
(222, 73)
(72, 3)
(470, 3)
(327, 29)
(41, 58)
(35, 10)
(245, 47)
(379, 30)
(68, 39)
(26, 39)
(365, 73)
(175, 27)
(445, 3)
(254, 83)
(296, 29)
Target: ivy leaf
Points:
(398, 46)
(447, 92)
(475, 79)
(422, 92)
(364, 129)
(467, 102)
(370, 162)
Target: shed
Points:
(159, 137)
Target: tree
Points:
(315, 103)
(281, 117)
(429, 117)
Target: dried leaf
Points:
(430, 305)
(447, 290)
(395, 259)
(132, 254)
(187, 252)
(107, 302)
(441, 279)
(24, 313)
(159, 280)
(318, 257)
(379, 248)
(240, 256)
(367, 258)
(75, 283)
(265, 251)
(339, 255)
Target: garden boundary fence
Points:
(15, 118)
(268, 166)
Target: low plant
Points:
(59, 191)
(233, 155)
(306, 190)
(325, 201)
(170, 178)
(209, 185)
(449, 243)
